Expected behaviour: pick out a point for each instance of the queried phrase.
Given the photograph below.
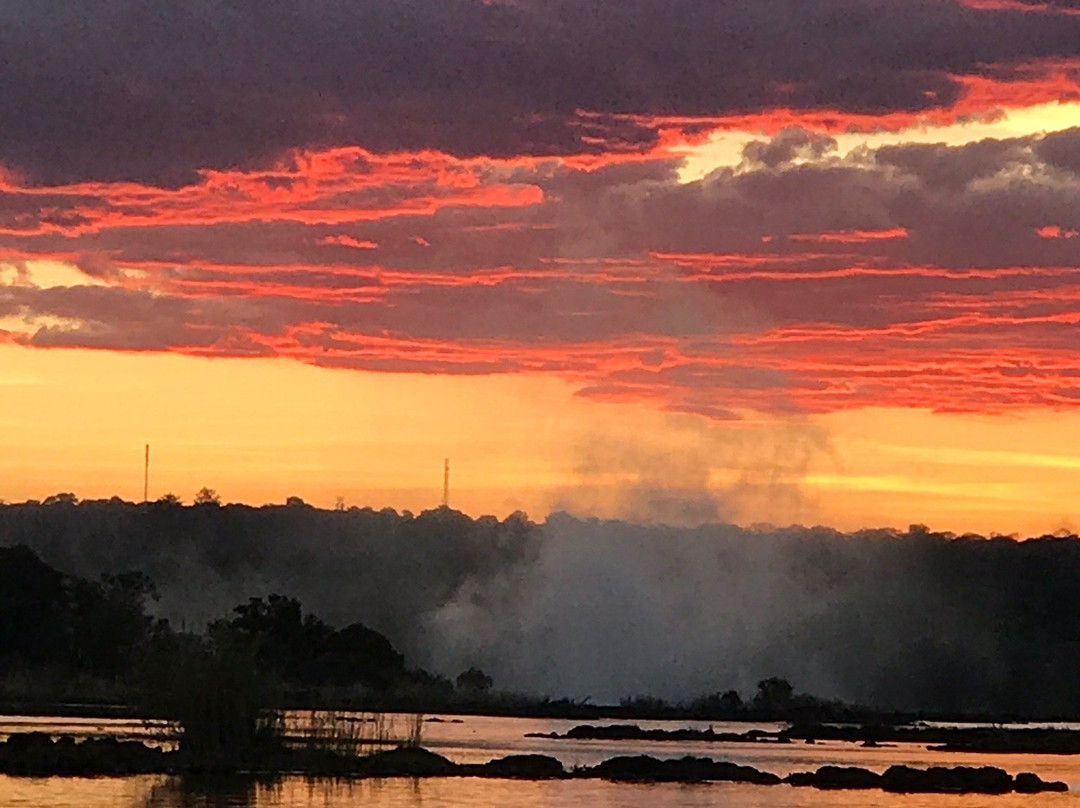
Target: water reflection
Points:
(465, 792)
(288, 792)
(207, 792)
(479, 739)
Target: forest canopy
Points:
(585, 609)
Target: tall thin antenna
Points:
(446, 483)
(146, 476)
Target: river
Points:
(472, 739)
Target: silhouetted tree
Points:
(773, 695)
(110, 624)
(34, 611)
(304, 650)
(207, 496)
(48, 619)
(66, 498)
(731, 702)
(474, 680)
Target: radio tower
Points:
(446, 483)
(146, 476)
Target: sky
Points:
(666, 260)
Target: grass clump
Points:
(224, 704)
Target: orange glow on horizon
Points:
(258, 431)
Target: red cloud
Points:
(914, 275)
(1056, 231)
(348, 241)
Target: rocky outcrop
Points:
(1028, 783)
(836, 778)
(632, 732)
(643, 768)
(407, 761)
(941, 780)
(935, 780)
(35, 753)
(524, 767)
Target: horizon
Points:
(63, 498)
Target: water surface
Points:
(472, 739)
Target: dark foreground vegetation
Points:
(226, 687)
(65, 638)
(73, 645)
(36, 754)
(70, 645)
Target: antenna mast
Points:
(446, 483)
(146, 476)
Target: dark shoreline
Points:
(525, 707)
(991, 740)
(39, 755)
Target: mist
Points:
(610, 609)
(599, 609)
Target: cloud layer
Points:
(925, 275)
(485, 187)
(135, 90)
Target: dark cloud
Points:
(1061, 150)
(799, 280)
(791, 143)
(941, 166)
(133, 89)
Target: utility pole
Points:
(146, 476)
(446, 484)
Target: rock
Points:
(614, 732)
(1028, 783)
(935, 780)
(940, 780)
(112, 756)
(836, 777)
(36, 753)
(408, 762)
(643, 768)
(532, 767)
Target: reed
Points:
(352, 734)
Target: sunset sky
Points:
(779, 261)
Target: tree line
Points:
(74, 628)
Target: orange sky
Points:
(261, 430)
(812, 278)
